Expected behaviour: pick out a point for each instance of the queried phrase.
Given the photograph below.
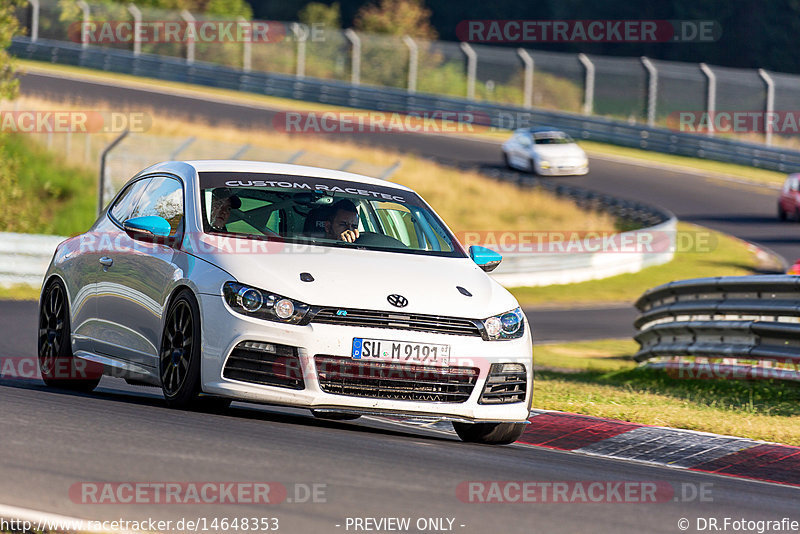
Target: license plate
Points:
(384, 350)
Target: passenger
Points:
(222, 201)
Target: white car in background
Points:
(546, 152)
(288, 285)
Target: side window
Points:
(122, 208)
(164, 198)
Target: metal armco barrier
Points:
(387, 99)
(724, 327)
(540, 269)
(24, 257)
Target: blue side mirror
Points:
(150, 226)
(487, 259)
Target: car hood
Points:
(364, 278)
(559, 151)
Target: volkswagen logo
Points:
(397, 300)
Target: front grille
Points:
(381, 380)
(504, 387)
(398, 321)
(268, 364)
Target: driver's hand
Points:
(349, 236)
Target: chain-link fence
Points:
(685, 96)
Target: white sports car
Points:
(287, 285)
(546, 152)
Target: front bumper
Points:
(224, 329)
(563, 170)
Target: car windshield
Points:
(322, 212)
(552, 139)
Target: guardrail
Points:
(724, 327)
(593, 260)
(387, 99)
(24, 257)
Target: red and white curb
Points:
(669, 447)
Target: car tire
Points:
(506, 161)
(489, 433)
(781, 214)
(179, 357)
(532, 166)
(57, 365)
(335, 416)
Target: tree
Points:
(230, 9)
(9, 26)
(396, 17)
(318, 13)
(10, 193)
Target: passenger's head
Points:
(222, 201)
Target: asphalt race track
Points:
(52, 440)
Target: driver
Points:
(342, 224)
(222, 201)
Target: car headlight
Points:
(544, 164)
(262, 304)
(509, 325)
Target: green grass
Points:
(19, 292)
(726, 256)
(600, 378)
(68, 192)
(55, 197)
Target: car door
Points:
(522, 150)
(132, 288)
(86, 266)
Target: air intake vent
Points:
(267, 364)
(506, 383)
(379, 380)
